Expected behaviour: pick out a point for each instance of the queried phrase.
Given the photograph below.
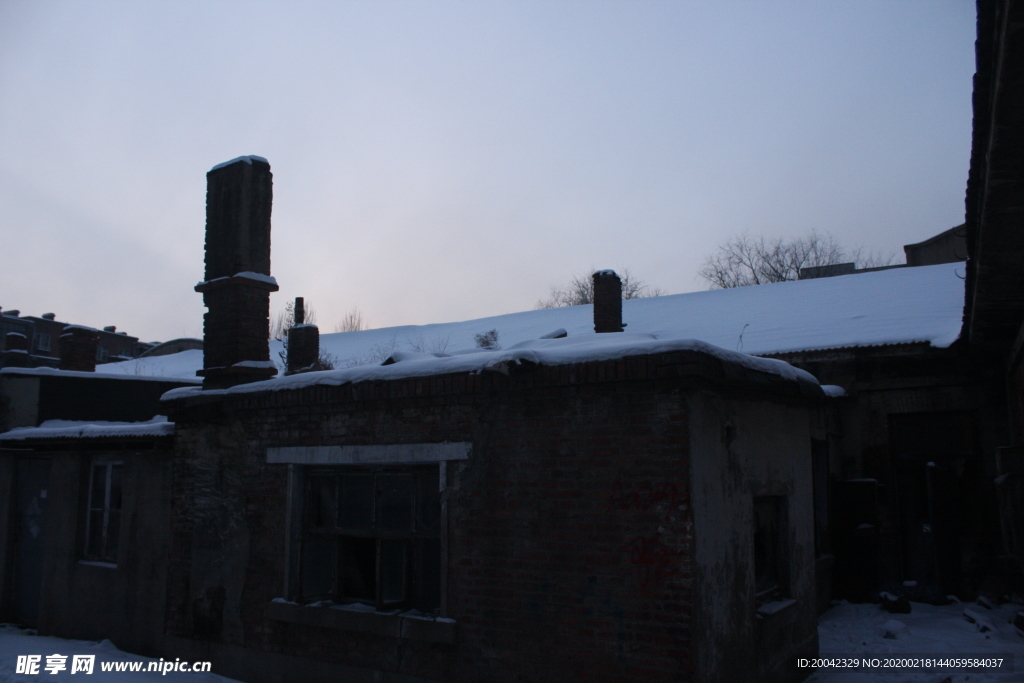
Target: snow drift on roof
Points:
(119, 371)
(897, 306)
(75, 429)
(564, 351)
(247, 159)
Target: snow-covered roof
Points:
(897, 306)
(94, 429)
(119, 372)
(579, 349)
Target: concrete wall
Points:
(739, 450)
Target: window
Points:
(102, 353)
(372, 535)
(43, 341)
(103, 519)
(771, 558)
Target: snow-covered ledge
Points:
(365, 619)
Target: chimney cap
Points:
(48, 316)
(247, 159)
(110, 328)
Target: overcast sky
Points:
(440, 161)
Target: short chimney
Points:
(78, 348)
(110, 328)
(15, 354)
(49, 316)
(303, 342)
(607, 302)
(236, 291)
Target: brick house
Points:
(627, 510)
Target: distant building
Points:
(43, 341)
(949, 246)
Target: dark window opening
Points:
(771, 566)
(820, 466)
(373, 536)
(103, 517)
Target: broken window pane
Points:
(385, 535)
(359, 568)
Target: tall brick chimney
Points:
(78, 348)
(15, 354)
(607, 302)
(303, 342)
(236, 291)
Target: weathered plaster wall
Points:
(19, 401)
(741, 449)
(123, 603)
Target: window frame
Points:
(776, 544)
(345, 545)
(110, 545)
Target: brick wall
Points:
(569, 529)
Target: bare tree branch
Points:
(744, 260)
(352, 322)
(580, 290)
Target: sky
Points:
(443, 161)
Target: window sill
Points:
(770, 609)
(392, 625)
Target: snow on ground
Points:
(849, 629)
(897, 306)
(846, 629)
(15, 641)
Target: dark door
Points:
(32, 484)
(932, 462)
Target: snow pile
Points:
(538, 351)
(862, 630)
(15, 641)
(898, 306)
(75, 429)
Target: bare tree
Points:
(352, 322)
(744, 260)
(285, 319)
(580, 290)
